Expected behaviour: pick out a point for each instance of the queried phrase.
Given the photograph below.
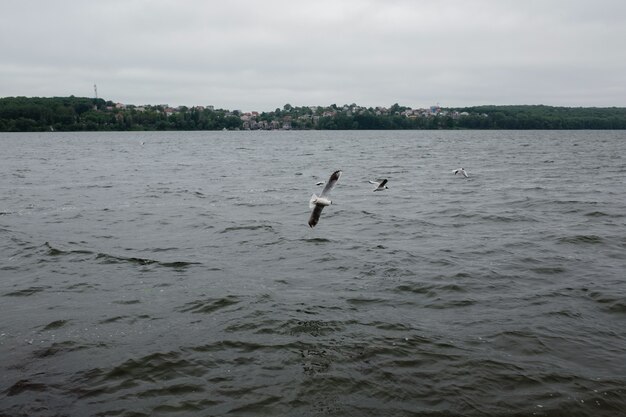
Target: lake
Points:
(174, 273)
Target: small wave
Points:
(443, 304)
(153, 367)
(9, 268)
(565, 313)
(181, 264)
(399, 327)
(548, 270)
(112, 319)
(507, 219)
(127, 302)
(176, 389)
(618, 306)
(26, 292)
(597, 214)
(524, 341)
(452, 287)
(161, 249)
(251, 227)
(610, 303)
(573, 202)
(228, 345)
(311, 327)
(209, 305)
(57, 324)
(115, 259)
(52, 251)
(79, 287)
(257, 407)
(316, 240)
(448, 283)
(581, 239)
(442, 262)
(58, 348)
(24, 385)
(417, 288)
(99, 186)
(112, 259)
(365, 301)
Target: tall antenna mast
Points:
(95, 90)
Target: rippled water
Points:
(179, 277)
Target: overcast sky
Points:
(259, 55)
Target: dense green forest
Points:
(22, 114)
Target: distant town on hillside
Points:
(24, 114)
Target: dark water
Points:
(179, 277)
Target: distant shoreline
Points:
(81, 114)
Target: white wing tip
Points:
(312, 201)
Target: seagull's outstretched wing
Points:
(373, 182)
(383, 183)
(334, 177)
(315, 215)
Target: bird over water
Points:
(317, 203)
(461, 171)
(380, 185)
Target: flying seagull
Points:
(461, 171)
(380, 185)
(317, 203)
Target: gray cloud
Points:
(261, 55)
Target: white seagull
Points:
(461, 171)
(380, 185)
(317, 203)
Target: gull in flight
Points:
(317, 203)
(461, 171)
(380, 185)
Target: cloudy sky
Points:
(259, 55)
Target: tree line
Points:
(22, 114)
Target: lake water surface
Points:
(178, 277)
